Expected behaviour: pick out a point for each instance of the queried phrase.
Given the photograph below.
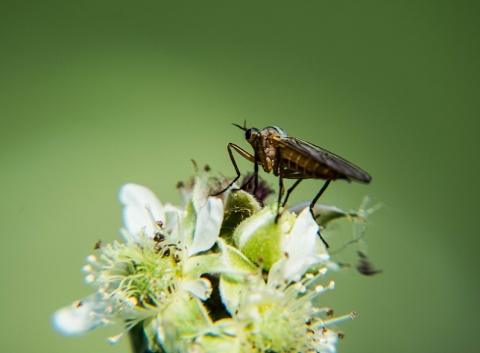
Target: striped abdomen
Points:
(300, 166)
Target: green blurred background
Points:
(94, 94)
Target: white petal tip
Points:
(141, 209)
(74, 320)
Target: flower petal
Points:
(208, 223)
(302, 248)
(302, 238)
(77, 318)
(141, 209)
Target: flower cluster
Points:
(220, 274)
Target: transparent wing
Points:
(324, 157)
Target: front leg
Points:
(244, 154)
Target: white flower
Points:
(217, 275)
(142, 211)
(276, 314)
(276, 317)
(283, 316)
(144, 277)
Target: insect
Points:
(291, 158)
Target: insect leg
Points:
(281, 187)
(242, 153)
(255, 173)
(289, 191)
(312, 204)
(315, 199)
(281, 190)
(253, 177)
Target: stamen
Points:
(340, 319)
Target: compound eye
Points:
(251, 134)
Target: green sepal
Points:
(232, 281)
(218, 343)
(186, 316)
(195, 266)
(327, 214)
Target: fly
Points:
(291, 158)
